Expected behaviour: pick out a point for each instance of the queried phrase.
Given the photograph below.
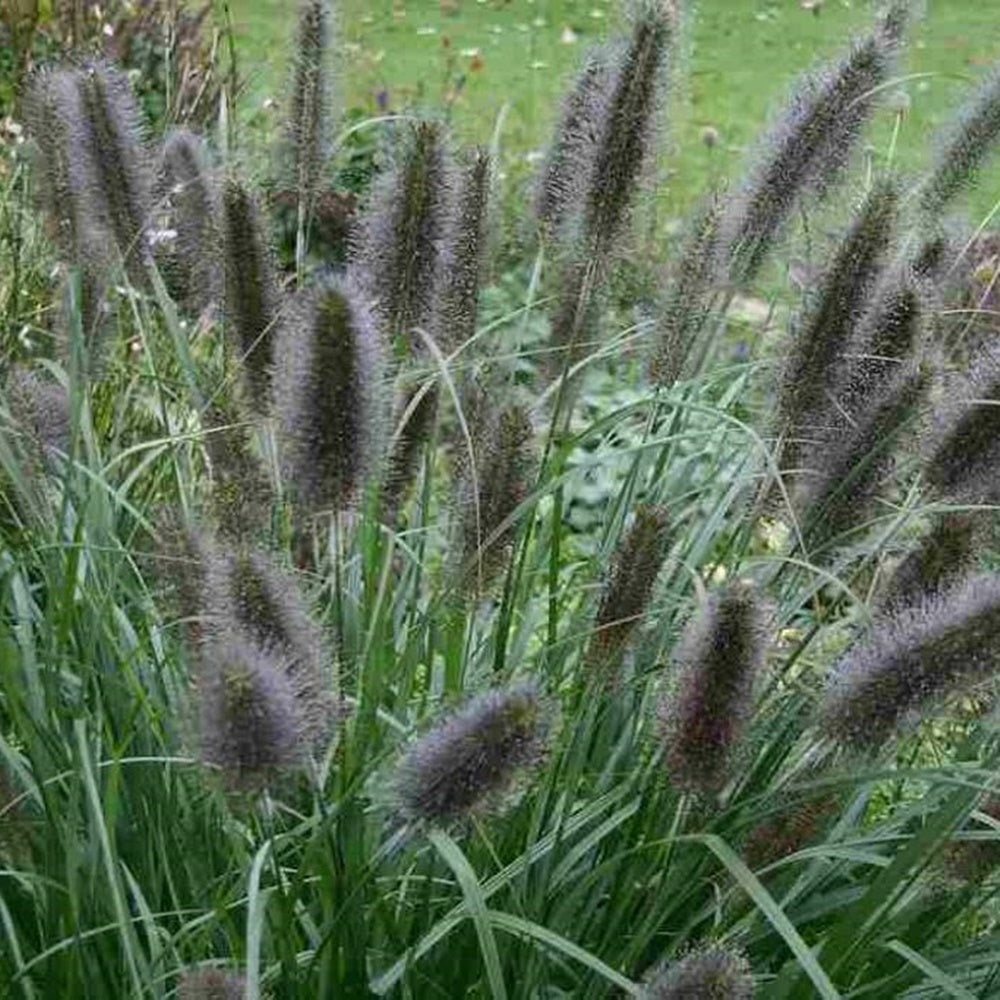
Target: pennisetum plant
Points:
(471, 756)
(189, 202)
(464, 255)
(250, 297)
(811, 143)
(940, 645)
(306, 147)
(327, 396)
(494, 478)
(628, 588)
(617, 102)
(704, 717)
(398, 246)
(815, 353)
(641, 835)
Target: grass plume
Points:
(307, 140)
(250, 300)
(713, 972)
(937, 562)
(913, 657)
(471, 756)
(188, 189)
(719, 657)
(817, 348)
(628, 586)
(964, 446)
(810, 144)
(966, 144)
(415, 419)
(686, 306)
(111, 127)
(492, 483)
(327, 395)
(398, 246)
(464, 255)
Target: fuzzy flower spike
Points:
(964, 447)
(465, 251)
(715, 972)
(309, 113)
(811, 142)
(471, 756)
(188, 190)
(122, 181)
(250, 296)
(965, 147)
(721, 653)
(398, 246)
(211, 984)
(628, 587)
(623, 123)
(941, 645)
(251, 723)
(326, 395)
(815, 355)
(494, 480)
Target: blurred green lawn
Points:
(738, 59)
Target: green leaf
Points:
(453, 857)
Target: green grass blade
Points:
(453, 857)
(940, 978)
(519, 925)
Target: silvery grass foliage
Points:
(300, 780)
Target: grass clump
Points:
(286, 778)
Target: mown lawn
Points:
(741, 57)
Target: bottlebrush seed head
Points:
(66, 175)
(971, 862)
(890, 334)
(965, 146)
(248, 594)
(41, 409)
(210, 984)
(628, 587)
(941, 557)
(471, 756)
(912, 657)
(398, 246)
(625, 134)
(111, 127)
(964, 445)
(490, 488)
(720, 655)
(810, 144)
(849, 467)
(562, 180)
(251, 720)
(715, 972)
(817, 348)
(464, 255)
(250, 299)
(241, 494)
(187, 190)
(416, 414)
(685, 310)
(307, 140)
(327, 395)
